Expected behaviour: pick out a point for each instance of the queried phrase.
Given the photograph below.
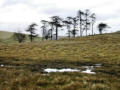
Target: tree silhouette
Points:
(84, 21)
(101, 27)
(57, 23)
(80, 15)
(68, 24)
(19, 37)
(93, 17)
(44, 29)
(31, 30)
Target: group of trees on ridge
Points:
(82, 22)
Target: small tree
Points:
(74, 23)
(101, 27)
(31, 30)
(18, 36)
(74, 32)
(57, 23)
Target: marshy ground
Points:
(24, 64)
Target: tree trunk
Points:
(86, 31)
(56, 33)
(92, 29)
(80, 25)
(68, 27)
(74, 32)
(31, 37)
(74, 35)
(51, 34)
(100, 30)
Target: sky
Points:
(18, 14)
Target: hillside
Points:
(27, 61)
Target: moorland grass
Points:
(74, 52)
(99, 48)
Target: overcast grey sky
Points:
(17, 14)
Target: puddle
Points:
(1, 65)
(49, 70)
(88, 70)
(82, 69)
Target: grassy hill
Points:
(25, 62)
(74, 49)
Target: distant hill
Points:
(5, 34)
(118, 31)
(7, 37)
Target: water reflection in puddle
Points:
(1, 65)
(89, 70)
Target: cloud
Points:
(2, 2)
(20, 13)
(69, 3)
(27, 11)
(13, 2)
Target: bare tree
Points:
(31, 29)
(57, 23)
(87, 22)
(93, 18)
(80, 15)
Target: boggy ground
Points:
(41, 65)
(24, 64)
(32, 77)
